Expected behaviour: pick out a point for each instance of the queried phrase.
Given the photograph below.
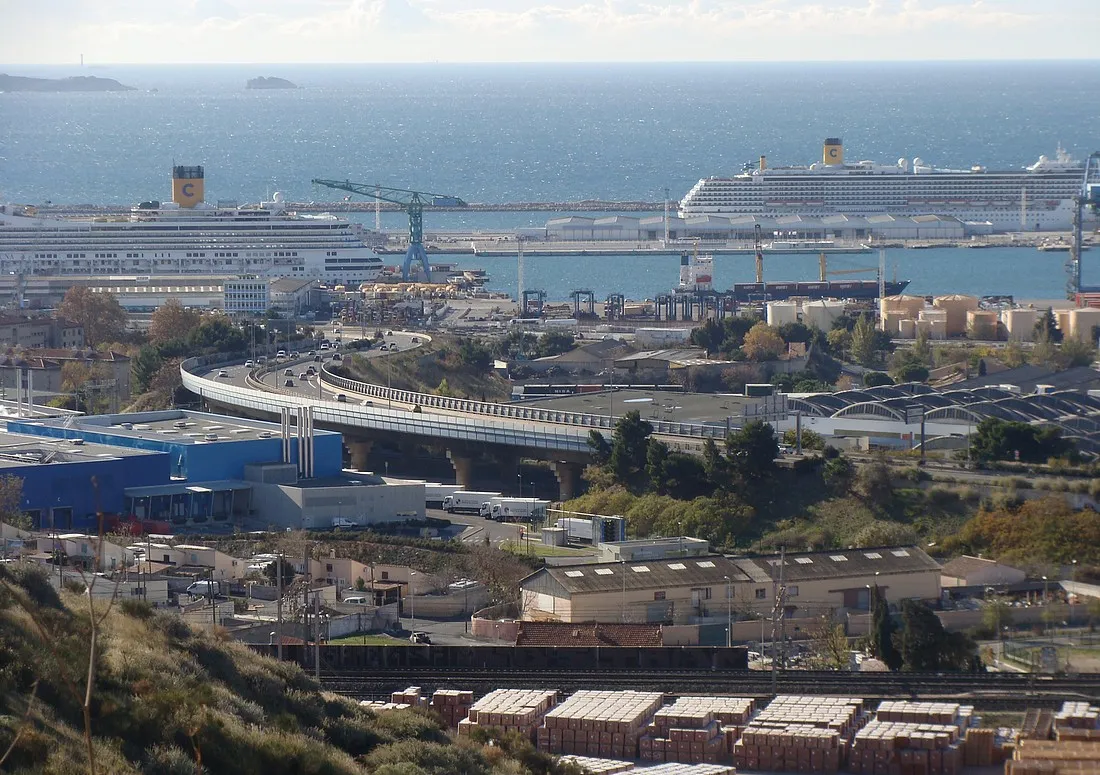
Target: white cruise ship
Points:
(188, 236)
(1036, 198)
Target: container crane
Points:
(758, 244)
(1088, 197)
(410, 202)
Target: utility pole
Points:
(780, 592)
(317, 637)
(279, 606)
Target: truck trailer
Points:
(467, 502)
(435, 493)
(515, 509)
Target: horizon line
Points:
(603, 62)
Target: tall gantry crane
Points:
(410, 202)
(1090, 198)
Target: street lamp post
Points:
(622, 615)
(729, 612)
(412, 600)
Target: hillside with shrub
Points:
(164, 699)
(738, 497)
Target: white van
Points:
(357, 600)
(204, 588)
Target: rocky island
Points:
(74, 83)
(270, 83)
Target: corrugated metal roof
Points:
(709, 570)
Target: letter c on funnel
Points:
(188, 190)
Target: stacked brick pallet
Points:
(453, 705)
(411, 697)
(696, 729)
(597, 723)
(1077, 721)
(510, 710)
(1055, 757)
(799, 734)
(688, 769)
(1038, 725)
(612, 766)
(906, 748)
(980, 749)
(594, 766)
(925, 712)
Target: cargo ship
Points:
(829, 289)
(1038, 197)
(188, 236)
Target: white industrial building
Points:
(625, 228)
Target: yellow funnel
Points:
(187, 185)
(833, 152)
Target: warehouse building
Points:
(691, 590)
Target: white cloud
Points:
(545, 30)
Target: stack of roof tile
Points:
(696, 729)
(907, 748)
(510, 710)
(797, 733)
(411, 697)
(1077, 721)
(453, 705)
(599, 723)
(1055, 757)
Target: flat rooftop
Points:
(177, 426)
(18, 450)
(653, 405)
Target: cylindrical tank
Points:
(956, 306)
(911, 305)
(938, 329)
(1062, 317)
(925, 326)
(981, 324)
(891, 321)
(782, 312)
(822, 313)
(1081, 323)
(553, 536)
(907, 328)
(1020, 323)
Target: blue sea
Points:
(498, 133)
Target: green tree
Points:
(865, 342)
(11, 502)
(629, 448)
(656, 457)
(715, 466)
(144, 366)
(996, 616)
(810, 439)
(922, 349)
(215, 334)
(829, 644)
(1046, 328)
(100, 314)
(875, 483)
(910, 372)
(925, 646)
(997, 439)
(881, 637)
(554, 343)
(751, 452)
(763, 343)
(474, 354)
(271, 572)
(876, 378)
(1075, 352)
(601, 450)
(838, 474)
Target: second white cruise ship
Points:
(188, 236)
(1035, 198)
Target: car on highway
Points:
(303, 375)
(324, 345)
(223, 373)
(317, 358)
(280, 354)
(311, 371)
(337, 357)
(393, 347)
(367, 402)
(289, 383)
(288, 372)
(248, 364)
(341, 398)
(389, 333)
(416, 340)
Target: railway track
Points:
(991, 691)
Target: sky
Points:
(353, 31)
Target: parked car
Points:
(420, 637)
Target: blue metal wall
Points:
(50, 488)
(205, 461)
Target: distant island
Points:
(270, 83)
(75, 83)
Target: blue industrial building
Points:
(65, 483)
(202, 447)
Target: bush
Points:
(137, 608)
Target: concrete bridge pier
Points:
(360, 451)
(464, 469)
(569, 478)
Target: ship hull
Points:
(780, 291)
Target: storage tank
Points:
(1020, 323)
(936, 320)
(956, 306)
(911, 305)
(891, 321)
(907, 328)
(981, 324)
(938, 329)
(822, 313)
(782, 312)
(1081, 322)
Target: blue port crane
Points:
(1089, 198)
(411, 202)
